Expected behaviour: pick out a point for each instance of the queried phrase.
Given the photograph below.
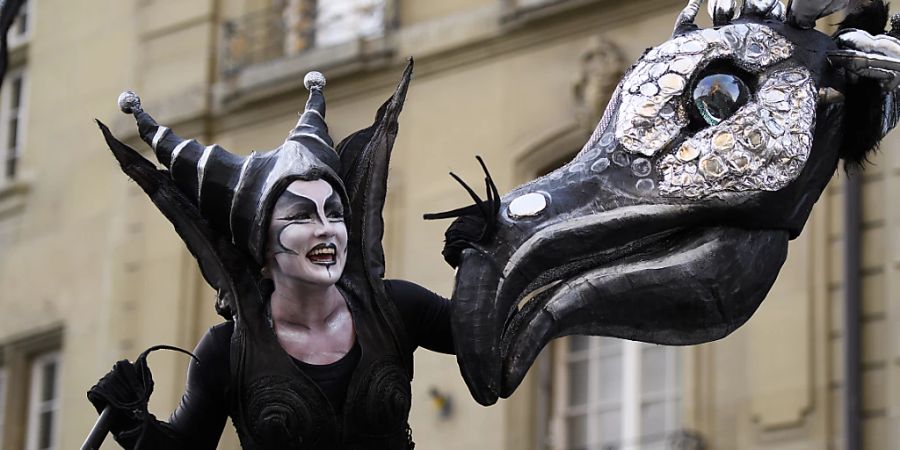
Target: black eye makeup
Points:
(300, 216)
(297, 208)
(334, 210)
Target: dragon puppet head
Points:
(672, 223)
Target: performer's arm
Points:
(425, 314)
(200, 417)
(198, 421)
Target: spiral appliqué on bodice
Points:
(382, 402)
(281, 413)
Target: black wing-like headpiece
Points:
(365, 157)
(223, 265)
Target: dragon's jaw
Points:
(669, 285)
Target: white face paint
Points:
(307, 235)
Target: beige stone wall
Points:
(879, 310)
(86, 253)
(412, 12)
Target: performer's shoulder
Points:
(213, 348)
(220, 334)
(224, 328)
(403, 291)
(415, 301)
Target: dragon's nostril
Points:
(528, 205)
(718, 96)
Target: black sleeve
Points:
(198, 421)
(425, 314)
(200, 417)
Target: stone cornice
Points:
(441, 45)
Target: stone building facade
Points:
(91, 273)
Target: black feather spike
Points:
(464, 211)
(487, 208)
(491, 187)
(468, 189)
(222, 265)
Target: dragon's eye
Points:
(718, 96)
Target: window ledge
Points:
(18, 53)
(443, 38)
(13, 195)
(259, 80)
(514, 15)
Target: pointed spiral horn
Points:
(158, 137)
(311, 130)
(129, 102)
(207, 175)
(805, 13)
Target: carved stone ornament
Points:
(602, 66)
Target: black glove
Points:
(462, 233)
(126, 389)
(474, 223)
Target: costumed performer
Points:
(317, 349)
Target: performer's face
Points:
(307, 234)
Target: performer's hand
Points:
(475, 223)
(464, 231)
(126, 388)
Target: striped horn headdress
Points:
(236, 193)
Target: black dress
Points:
(360, 401)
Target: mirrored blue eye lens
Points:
(718, 96)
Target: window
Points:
(298, 17)
(339, 21)
(30, 391)
(43, 403)
(20, 31)
(616, 394)
(286, 28)
(320, 23)
(12, 108)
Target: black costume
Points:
(220, 204)
(198, 421)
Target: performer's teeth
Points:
(323, 254)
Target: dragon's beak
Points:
(643, 273)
